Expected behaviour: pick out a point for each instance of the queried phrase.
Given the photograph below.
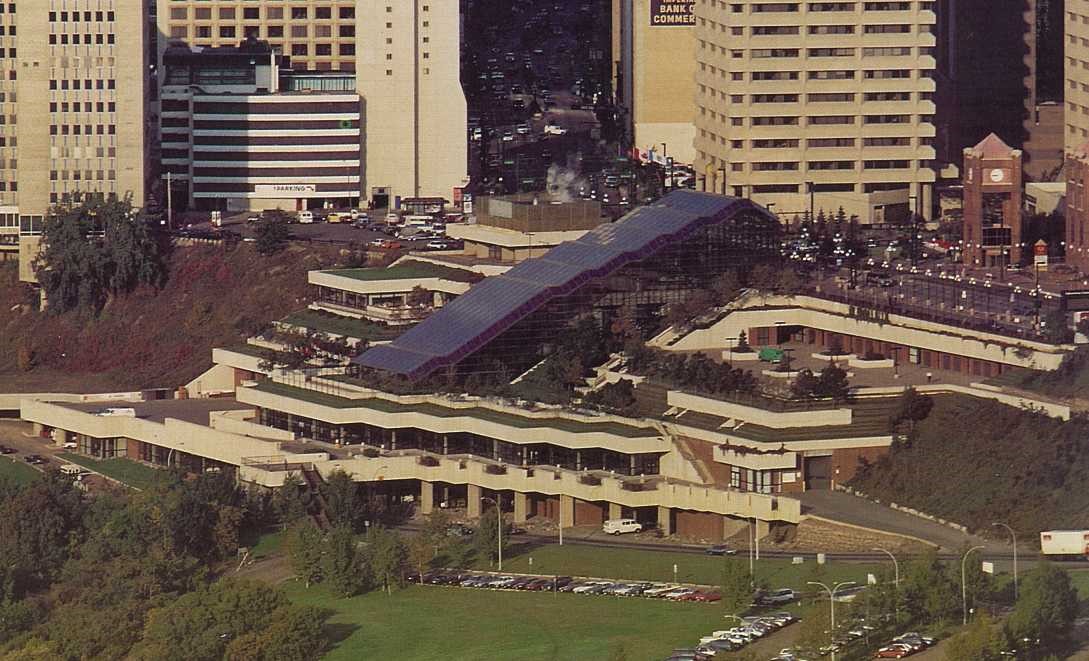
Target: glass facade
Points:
(462, 443)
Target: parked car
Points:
(6, 450)
(777, 597)
(893, 652)
(621, 526)
(34, 459)
(720, 549)
(306, 217)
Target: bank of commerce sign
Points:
(672, 13)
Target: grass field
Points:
(427, 623)
(16, 472)
(123, 470)
(658, 566)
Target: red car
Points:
(704, 596)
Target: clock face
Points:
(997, 176)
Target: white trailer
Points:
(1069, 543)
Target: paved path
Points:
(845, 508)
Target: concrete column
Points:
(38, 428)
(762, 529)
(60, 437)
(615, 511)
(393, 439)
(427, 497)
(567, 511)
(472, 503)
(495, 449)
(578, 460)
(445, 444)
(521, 507)
(664, 523)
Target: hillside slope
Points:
(976, 461)
(151, 338)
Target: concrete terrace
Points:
(407, 271)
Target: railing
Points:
(278, 463)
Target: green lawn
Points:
(16, 472)
(428, 622)
(129, 472)
(267, 544)
(603, 562)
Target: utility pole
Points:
(169, 204)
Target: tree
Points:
(911, 407)
(930, 595)
(485, 537)
(201, 624)
(345, 566)
(345, 505)
(743, 342)
(287, 500)
(805, 384)
(737, 589)
(981, 641)
(1046, 607)
(272, 235)
(419, 554)
(725, 287)
(813, 630)
(304, 544)
(387, 556)
(833, 383)
(293, 634)
(94, 250)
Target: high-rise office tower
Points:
(653, 45)
(74, 76)
(405, 55)
(818, 105)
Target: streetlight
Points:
(722, 179)
(1014, 536)
(499, 528)
(964, 582)
(896, 568)
(832, 605)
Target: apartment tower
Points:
(818, 105)
(76, 80)
(405, 55)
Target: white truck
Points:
(1065, 543)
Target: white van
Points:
(621, 526)
(306, 217)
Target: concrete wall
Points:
(764, 417)
(811, 312)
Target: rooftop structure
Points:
(637, 258)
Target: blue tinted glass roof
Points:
(497, 303)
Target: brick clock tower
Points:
(992, 203)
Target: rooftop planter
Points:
(590, 480)
(495, 469)
(370, 452)
(426, 460)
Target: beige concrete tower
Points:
(818, 104)
(317, 34)
(80, 96)
(654, 69)
(408, 73)
(407, 62)
(1077, 74)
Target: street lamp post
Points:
(896, 581)
(499, 528)
(722, 179)
(1014, 536)
(964, 582)
(832, 605)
